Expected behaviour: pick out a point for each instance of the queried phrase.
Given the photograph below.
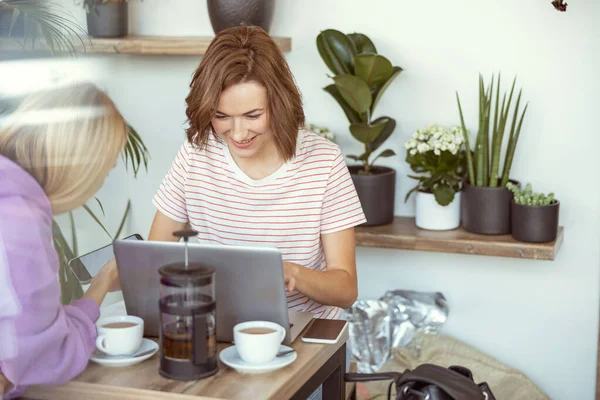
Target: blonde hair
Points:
(68, 139)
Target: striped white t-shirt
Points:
(310, 195)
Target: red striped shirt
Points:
(311, 195)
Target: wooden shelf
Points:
(137, 45)
(403, 234)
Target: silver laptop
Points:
(249, 284)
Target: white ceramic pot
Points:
(432, 216)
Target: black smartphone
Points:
(85, 267)
(324, 331)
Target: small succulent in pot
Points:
(534, 216)
(437, 154)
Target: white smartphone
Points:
(85, 267)
(326, 331)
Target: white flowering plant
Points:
(437, 154)
(321, 131)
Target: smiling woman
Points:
(249, 175)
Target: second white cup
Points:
(258, 342)
(120, 336)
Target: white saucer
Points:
(231, 358)
(123, 361)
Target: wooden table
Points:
(316, 364)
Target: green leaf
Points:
(336, 50)
(352, 115)
(362, 44)
(86, 208)
(366, 133)
(353, 157)
(122, 224)
(411, 191)
(390, 125)
(443, 194)
(381, 88)
(372, 68)
(100, 205)
(385, 154)
(354, 91)
(13, 21)
(73, 234)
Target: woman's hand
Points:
(106, 281)
(290, 272)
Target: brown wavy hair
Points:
(238, 55)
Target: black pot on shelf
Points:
(486, 210)
(376, 193)
(535, 224)
(108, 20)
(230, 13)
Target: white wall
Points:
(538, 316)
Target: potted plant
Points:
(107, 18)
(436, 154)
(486, 199)
(225, 14)
(360, 78)
(534, 216)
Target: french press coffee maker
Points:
(188, 342)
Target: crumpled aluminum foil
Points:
(378, 326)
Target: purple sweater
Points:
(41, 342)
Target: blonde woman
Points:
(55, 152)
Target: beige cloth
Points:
(506, 383)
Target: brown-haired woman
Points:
(249, 175)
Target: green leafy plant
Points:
(527, 197)
(60, 32)
(361, 76)
(437, 153)
(483, 170)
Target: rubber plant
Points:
(361, 76)
(484, 168)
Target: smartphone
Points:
(87, 266)
(324, 331)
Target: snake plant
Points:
(484, 170)
(360, 78)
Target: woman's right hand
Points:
(106, 281)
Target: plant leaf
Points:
(352, 115)
(390, 125)
(336, 50)
(372, 68)
(366, 133)
(122, 224)
(86, 208)
(73, 234)
(444, 194)
(353, 157)
(378, 92)
(362, 44)
(385, 153)
(101, 206)
(354, 91)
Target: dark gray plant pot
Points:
(376, 193)
(109, 20)
(18, 29)
(486, 210)
(229, 13)
(536, 224)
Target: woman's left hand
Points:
(290, 272)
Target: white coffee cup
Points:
(120, 335)
(258, 342)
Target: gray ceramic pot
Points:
(108, 20)
(536, 224)
(376, 193)
(486, 210)
(229, 13)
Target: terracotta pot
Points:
(486, 210)
(230, 13)
(376, 193)
(536, 224)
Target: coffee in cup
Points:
(258, 342)
(120, 335)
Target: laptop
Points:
(249, 284)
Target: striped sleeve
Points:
(170, 197)
(341, 206)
